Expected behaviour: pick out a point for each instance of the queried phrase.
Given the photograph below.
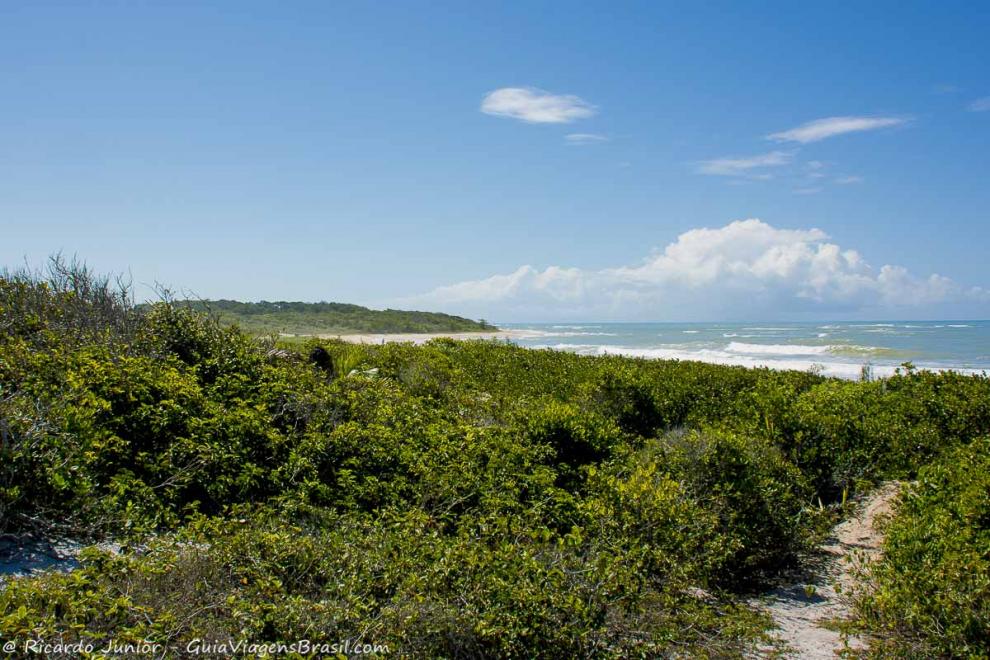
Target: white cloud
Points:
(580, 139)
(808, 190)
(980, 105)
(496, 287)
(820, 129)
(745, 166)
(536, 106)
(846, 180)
(746, 268)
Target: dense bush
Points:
(930, 594)
(759, 497)
(395, 578)
(451, 499)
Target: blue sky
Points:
(340, 151)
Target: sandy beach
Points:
(423, 337)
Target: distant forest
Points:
(321, 318)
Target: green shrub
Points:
(395, 580)
(577, 439)
(760, 499)
(929, 595)
(624, 394)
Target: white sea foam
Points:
(958, 325)
(846, 370)
(800, 349)
(570, 333)
(777, 349)
(533, 333)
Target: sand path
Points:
(800, 609)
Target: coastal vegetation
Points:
(458, 498)
(929, 596)
(329, 318)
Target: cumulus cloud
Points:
(980, 105)
(747, 166)
(536, 106)
(820, 129)
(746, 268)
(580, 139)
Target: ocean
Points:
(833, 348)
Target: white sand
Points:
(422, 337)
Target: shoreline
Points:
(849, 369)
(419, 337)
(845, 370)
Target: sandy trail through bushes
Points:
(800, 609)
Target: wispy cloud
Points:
(748, 166)
(580, 139)
(808, 190)
(846, 180)
(536, 106)
(980, 105)
(820, 129)
(815, 169)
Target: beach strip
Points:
(420, 337)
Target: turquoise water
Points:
(835, 348)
